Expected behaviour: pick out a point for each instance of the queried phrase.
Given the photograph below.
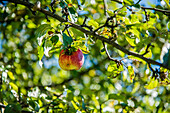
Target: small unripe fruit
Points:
(71, 61)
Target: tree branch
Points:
(138, 1)
(79, 27)
(156, 9)
(117, 61)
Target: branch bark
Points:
(79, 27)
(149, 8)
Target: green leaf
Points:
(113, 68)
(72, 10)
(31, 103)
(54, 39)
(34, 105)
(40, 52)
(111, 13)
(70, 95)
(131, 40)
(11, 76)
(74, 105)
(102, 50)
(123, 12)
(131, 25)
(166, 58)
(83, 103)
(135, 32)
(167, 3)
(168, 25)
(96, 102)
(131, 73)
(41, 30)
(37, 107)
(14, 86)
(117, 97)
(67, 40)
(84, 49)
(137, 5)
(47, 47)
(136, 87)
(13, 108)
(152, 84)
(128, 2)
(48, 43)
(63, 4)
(82, 2)
(93, 23)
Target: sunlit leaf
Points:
(114, 68)
(131, 40)
(14, 86)
(74, 105)
(111, 13)
(152, 84)
(136, 87)
(11, 76)
(93, 23)
(131, 73)
(167, 3)
(40, 52)
(128, 2)
(96, 102)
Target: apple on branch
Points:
(71, 59)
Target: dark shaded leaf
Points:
(41, 30)
(67, 40)
(54, 39)
(13, 108)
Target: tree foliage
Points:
(125, 44)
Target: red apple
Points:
(71, 61)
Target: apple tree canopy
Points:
(126, 51)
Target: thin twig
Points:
(138, 1)
(99, 27)
(47, 18)
(115, 76)
(156, 9)
(105, 8)
(85, 20)
(84, 24)
(146, 15)
(68, 32)
(150, 67)
(105, 47)
(52, 5)
(146, 51)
